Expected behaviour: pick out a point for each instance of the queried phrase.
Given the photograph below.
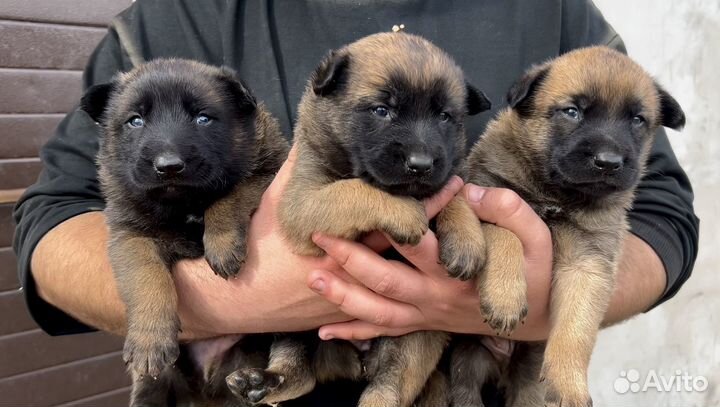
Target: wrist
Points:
(199, 297)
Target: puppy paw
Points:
(150, 353)
(564, 387)
(408, 224)
(503, 291)
(225, 252)
(505, 310)
(503, 316)
(462, 256)
(253, 384)
(555, 398)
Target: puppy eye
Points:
(571, 112)
(381, 111)
(203, 120)
(136, 121)
(444, 117)
(638, 121)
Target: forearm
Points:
(72, 272)
(639, 283)
(252, 302)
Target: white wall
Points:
(679, 43)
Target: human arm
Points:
(396, 299)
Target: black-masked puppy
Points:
(185, 157)
(573, 143)
(380, 126)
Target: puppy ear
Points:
(476, 101)
(241, 93)
(95, 100)
(672, 115)
(521, 93)
(330, 74)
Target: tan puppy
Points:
(380, 127)
(574, 144)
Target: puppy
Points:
(573, 143)
(184, 160)
(380, 126)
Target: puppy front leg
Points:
(226, 225)
(501, 285)
(522, 388)
(347, 208)
(399, 368)
(471, 367)
(337, 359)
(461, 238)
(146, 285)
(582, 286)
(436, 391)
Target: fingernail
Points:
(455, 181)
(475, 193)
(326, 337)
(318, 285)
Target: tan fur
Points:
(226, 224)
(322, 197)
(398, 368)
(462, 239)
(501, 285)
(346, 208)
(587, 239)
(435, 393)
(335, 360)
(147, 288)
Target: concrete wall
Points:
(679, 43)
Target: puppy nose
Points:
(419, 163)
(608, 161)
(168, 164)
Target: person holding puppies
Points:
(61, 239)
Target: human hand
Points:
(269, 294)
(391, 298)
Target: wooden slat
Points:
(35, 350)
(19, 172)
(34, 45)
(119, 397)
(10, 195)
(8, 270)
(15, 316)
(65, 383)
(7, 225)
(24, 134)
(85, 12)
(39, 91)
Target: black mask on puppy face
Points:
(404, 136)
(170, 130)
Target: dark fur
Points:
(360, 170)
(557, 163)
(158, 217)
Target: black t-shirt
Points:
(275, 45)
